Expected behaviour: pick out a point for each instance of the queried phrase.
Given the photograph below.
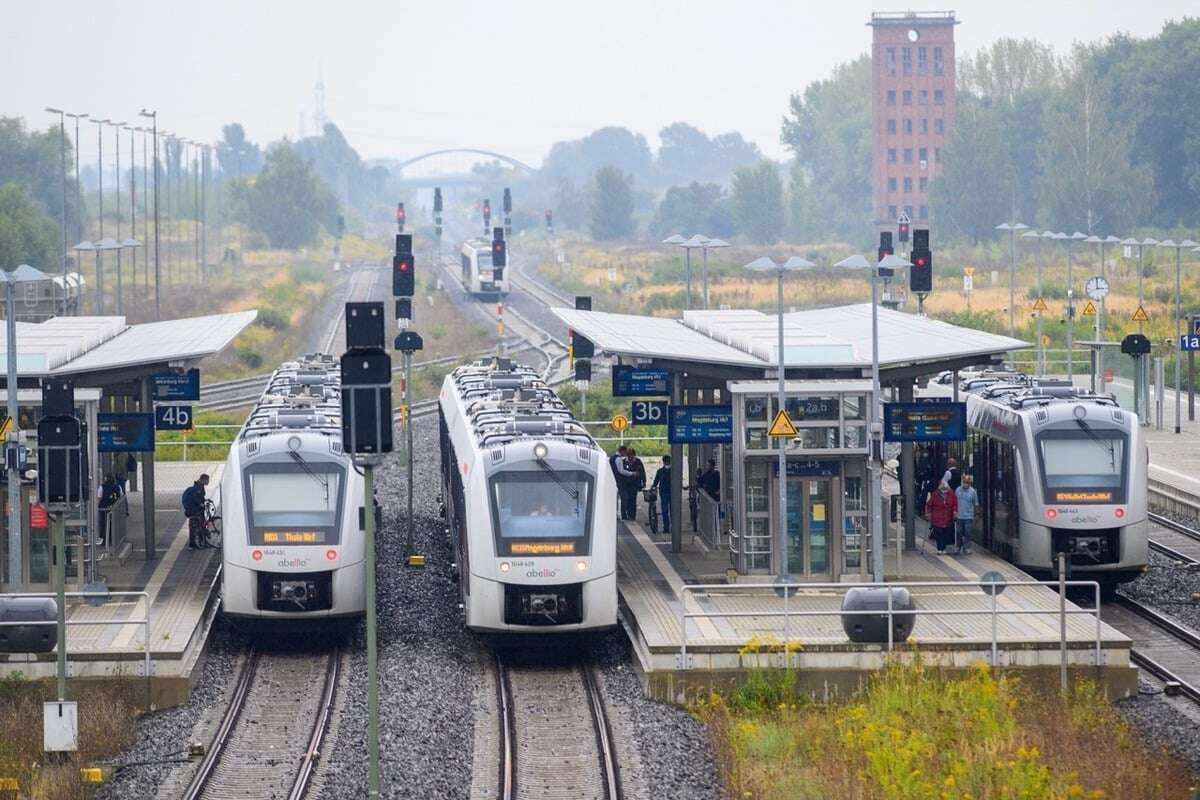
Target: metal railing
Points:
(788, 613)
(103, 597)
(710, 519)
(185, 441)
(113, 523)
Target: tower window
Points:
(939, 65)
(907, 60)
(891, 61)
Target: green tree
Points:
(33, 160)
(1007, 69)
(238, 156)
(758, 202)
(27, 234)
(695, 208)
(1089, 180)
(611, 203)
(974, 191)
(828, 129)
(579, 159)
(688, 154)
(570, 205)
(288, 201)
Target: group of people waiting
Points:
(950, 510)
(630, 474)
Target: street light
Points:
(62, 133)
(1074, 237)
(793, 264)
(100, 123)
(22, 274)
(117, 180)
(1012, 271)
(78, 182)
(709, 244)
(132, 202)
(153, 115)
(689, 245)
(1178, 319)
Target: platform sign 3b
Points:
(648, 412)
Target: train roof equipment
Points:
(304, 394)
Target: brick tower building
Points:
(912, 110)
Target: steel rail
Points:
(225, 729)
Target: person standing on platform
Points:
(964, 520)
(953, 475)
(613, 461)
(940, 511)
(662, 483)
(639, 480)
(627, 485)
(710, 481)
(193, 509)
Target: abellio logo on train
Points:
(544, 572)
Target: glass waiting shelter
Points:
(826, 513)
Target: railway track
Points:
(1174, 539)
(549, 748)
(269, 740)
(1161, 646)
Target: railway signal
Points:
(437, 211)
(404, 311)
(549, 220)
(401, 217)
(487, 215)
(499, 254)
(885, 245)
(920, 276)
(902, 226)
(404, 279)
(507, 211)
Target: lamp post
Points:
(710, 244)
(691, 244)
(1012, 271)
(132, 205)
(1071, 240)
(153, 115)
(676, 239)
(100, 123)
(765, 264)
(1044, 235)
(1178, 320)
(22, 274)
(78, 182)
(117, 185)
(62, 134)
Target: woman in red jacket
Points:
(940, 511)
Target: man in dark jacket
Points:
(193, 509)
(662, 482)
(710, 481)
(615, 462)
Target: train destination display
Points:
(924, 422)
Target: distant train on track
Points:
(293, 546)
(530, 501)
(1057, 469)
(478, 275)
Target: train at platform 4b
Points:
(1058, 470)
(293, 546)
(479, 277)
(531, 505)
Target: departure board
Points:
(924, 422)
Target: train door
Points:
(812, 520)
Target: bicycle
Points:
(651, 498)
(212, 525)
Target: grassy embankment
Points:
(918, 734)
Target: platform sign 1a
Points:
(125, 433)
(648, 412)
(176, 385)
(1189, 342)
(173, 418)
(924, 422)
(630, 381)
(700, 424)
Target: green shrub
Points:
(273, 318)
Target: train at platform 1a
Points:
(1058, 470)
(293, 548)
(479, 278)
(530, 503)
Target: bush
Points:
(250, 357)
(273, 318)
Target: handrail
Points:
(106, 595)
(787, 613)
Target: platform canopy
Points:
(825, 340)
(98, 349)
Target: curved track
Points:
(549, 748)
(270, 738)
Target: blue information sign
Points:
(810, 468)
(177, 386)
(629, 381)
(1189, 342)
(125, 433)
(648, 412)
(173, 418)
(700, 424)
(924, 422)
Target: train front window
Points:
(542, 512)
(294, 504)
(1084, 466)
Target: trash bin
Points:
(872, 628)
(28, 638)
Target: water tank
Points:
(871, 627)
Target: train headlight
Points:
(1051, 513)
(1080, 412)
(294, 443)
(581, 566)
(540, 450)
(1119, 513)
(505, 566)
(331, 555)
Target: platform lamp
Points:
(709, 244)
(676, 239)
(1188, 243)
(132, 244)
(1037, 237)
(1012, 271)
(793, 264)
(697, 242)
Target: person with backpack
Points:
(193, 508)
(953, 475)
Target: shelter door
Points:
(812, 517)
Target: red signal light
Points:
(920, 262)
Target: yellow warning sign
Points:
(5, 427)
(619, 423)
(1039, 305)
(1140, 315)
(1045, 341)
(1090, 309)
(968, 270)
(782, 426)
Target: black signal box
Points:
(583, 302)
(582, 347)
(403, 243)
(58, 397)
(404, 308)
(583, 370)
(366, 402)
(365, 326)
(409, 342)
(1135, 344)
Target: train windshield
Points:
(543, 512)
(294, 503)
(1084, 466)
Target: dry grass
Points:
(917, 734)
(106, 727)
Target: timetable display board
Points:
(125, 433)
(924, 422)
(700, 424)
(630, 381)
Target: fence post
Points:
(1062, 621)
(787, 628)
(890, 629)
(995, 636)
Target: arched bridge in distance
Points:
(442, 180)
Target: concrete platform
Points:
(720, 649)
(181, 586)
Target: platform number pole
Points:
(372, 626)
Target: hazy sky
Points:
(404, 77)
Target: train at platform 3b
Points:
(531, 505)
(1058, 470)
(478, 275)
(293, 546)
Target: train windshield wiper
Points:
(1107, 444)
(299, 459)
(566, 487)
